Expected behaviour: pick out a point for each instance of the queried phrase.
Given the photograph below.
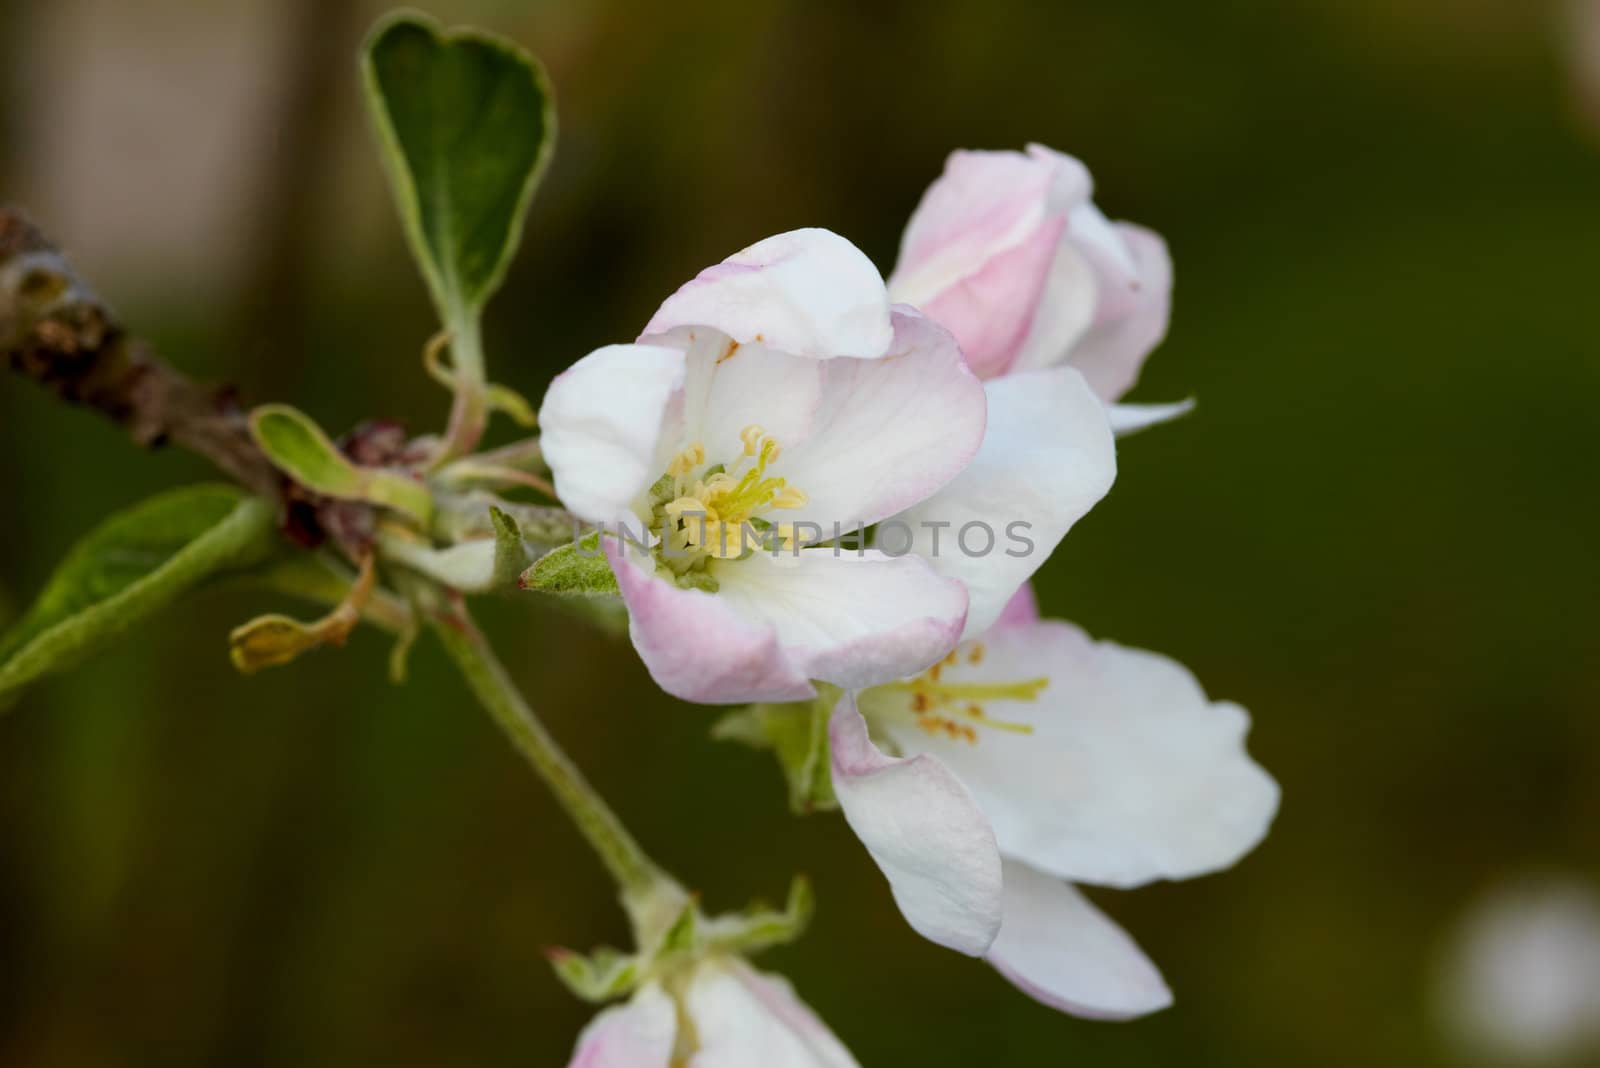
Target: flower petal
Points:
(743, 1017)
(696, 645)
(601, 424)
(1022, 608)
(1129, 774)
(1131, 418)
(888, 432)
(991, 309)
(924, 831)
(1046, 458)
(1112, 353)
(1057, 948)
(806, 292)
(852, 619)
(639, 1034)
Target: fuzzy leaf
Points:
(466, 124)
(130, 567)
(576, 569)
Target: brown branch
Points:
(54, 330)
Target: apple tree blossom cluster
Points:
(819, 496)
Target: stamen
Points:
(751, 436)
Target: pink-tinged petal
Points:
(1129, 419)
(1113, 351)
(1057, 948)
(744, 1018)
(1065, 312)
(852, 619)
(991, 309)
(1128, 773)
(601, 425)
(983, 204)
(696, 646)
(924, 831)
(1047, 457)
(639, 1034)
(888, 432)
(1022, 608)
(805, 292)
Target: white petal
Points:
(696, 645)
(744, 1018)
(1131, 418)
(1057, 948)
(924, 831)
(601, 422)
(639, 1034)
(806, 292)
(1130, 773)
(1112, 353)
(1065, 311)
(852, 620)
(888, 432)
(1046, 458)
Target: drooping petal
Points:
(744, 1018)
(1047, 457)
(639, 1034)
(696, 645)
(601, 423)
(806, 292)
(850, 619)
(1129, 419)
(1113, 351)
(1057, 948)
(925, 832)
(1128, 772)
(888, 432)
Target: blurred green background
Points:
(1379, 532)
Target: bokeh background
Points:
(1379, 532)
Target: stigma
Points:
(719, 512)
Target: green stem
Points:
(641, 880)
(470, 411)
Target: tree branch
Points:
(54, 330)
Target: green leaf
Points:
(510, 551)
(466, 124)
(797, 734)
(576, 569)
(131, 566)
(297, 446)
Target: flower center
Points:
(718, 512)
(955, 709)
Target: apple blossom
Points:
(780, 396)
(720, 1013)
(1033, 758)
(1009, 252)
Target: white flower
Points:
(1033, 758)
(1009, 252)
(1521, 982)
(778, 395)
(720, 1014)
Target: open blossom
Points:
(1033, 758)
(1009, 252)
(721, 1014)
(779, 400)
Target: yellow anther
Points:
(769, 452)
(751, 436)
(687, 460)
(791, 497)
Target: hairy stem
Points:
(641, 880)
